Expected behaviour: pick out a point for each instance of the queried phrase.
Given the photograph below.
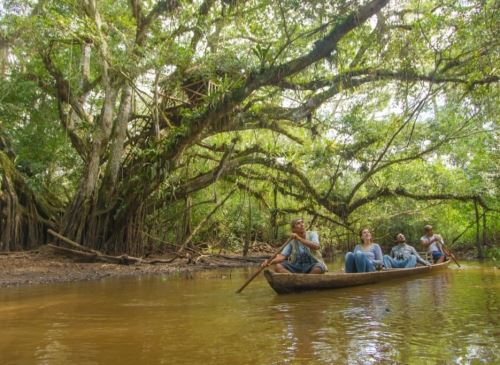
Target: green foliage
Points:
(408, 100)
(493, 253)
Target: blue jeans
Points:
(358, 262)
(436, 255)
(297, 268)
(303, 264)
(391, 263)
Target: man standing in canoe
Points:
(403, 256)
(434, 244)
(302, 254)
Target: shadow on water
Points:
(449, 317)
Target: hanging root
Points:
(24, 214)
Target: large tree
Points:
(145, 90)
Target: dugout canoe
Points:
(291, 283)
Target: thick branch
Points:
(202, 14)
(362, 76)
(322, 48)
(192, 127)
(63, 89)
(251, 122)
(144, 22)
(375, 168)
(386, 192)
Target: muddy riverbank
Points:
(43, 266)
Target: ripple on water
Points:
(444, 318)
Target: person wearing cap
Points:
(403, 256)
(433, 243)
(302, 254)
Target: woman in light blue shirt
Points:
(366, 257)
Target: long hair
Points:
(361, 233)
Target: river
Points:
(450, 317)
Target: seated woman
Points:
(403, 255)
(366, 257)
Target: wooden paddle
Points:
(447, 252)
(263, 267)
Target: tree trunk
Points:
(78, 213)
(10, 237)
(478, 226)
(185, 228)
(246, 245)
(4, 53)
(485, 242)
(117, 148)
(274, 216)
(107, 235)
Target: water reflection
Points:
(333, 328)
(451, 317)
(404, 322)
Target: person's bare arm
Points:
(440, 246)
(439, 241)
(311, 244)
(419, 259)
(437, 238)
(279, 258)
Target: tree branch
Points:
(144, 22)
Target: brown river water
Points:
(449, 317)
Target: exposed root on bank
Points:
(81, 253)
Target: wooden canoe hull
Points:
(291, 283)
